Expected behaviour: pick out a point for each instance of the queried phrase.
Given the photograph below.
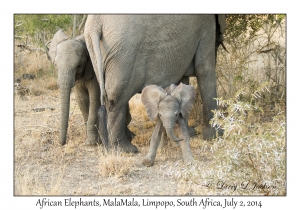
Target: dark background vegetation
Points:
(246, 36)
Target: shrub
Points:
(250, 152)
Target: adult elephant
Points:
(129, 52)
(75, 69)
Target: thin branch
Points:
(266, 51)
(19, 37)
(41, 109)
(82, 22)
(18, 25)
(45, 45)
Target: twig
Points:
(52, 97)
(40, 109)
(224, 47)
(82, 22)
(265, 51)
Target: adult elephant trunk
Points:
(169, 126)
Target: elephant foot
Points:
(148, 162)
(191, 131)
(210, 132)
(125, 146)
(188, 160)
(92, 140)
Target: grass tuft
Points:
(114, 164)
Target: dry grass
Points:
(115, 164)
(34, 62)
(43, 167)
(249, 158)
(251, 151)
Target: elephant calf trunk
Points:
(64, 111)
(171, 135)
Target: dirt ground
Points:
(43, 167)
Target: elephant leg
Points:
(206, 78)
(154, 143)
(191, 131)
(185, 144)
(92, 122)
(119, 90)
(83, 101)
(116, 130)
(163, 140)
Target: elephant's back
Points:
(153, 42)
(151, 30)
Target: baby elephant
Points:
(171, 106)
(75, 69)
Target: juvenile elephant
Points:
(129, 52)
(72, 60)
(75, 69)
(170, 106)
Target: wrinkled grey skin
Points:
(129, 52)
(171, 107)
(75, 69)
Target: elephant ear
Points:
(89, 70)
(170, 88)
(151, 96)
(58, 38)
(186, 94)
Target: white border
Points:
(8, 8)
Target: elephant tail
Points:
(224, 47)
(102, 114)
(92, 38)
(95, 38)
(220, 30)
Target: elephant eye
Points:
(79, 66)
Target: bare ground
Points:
(43, 167)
